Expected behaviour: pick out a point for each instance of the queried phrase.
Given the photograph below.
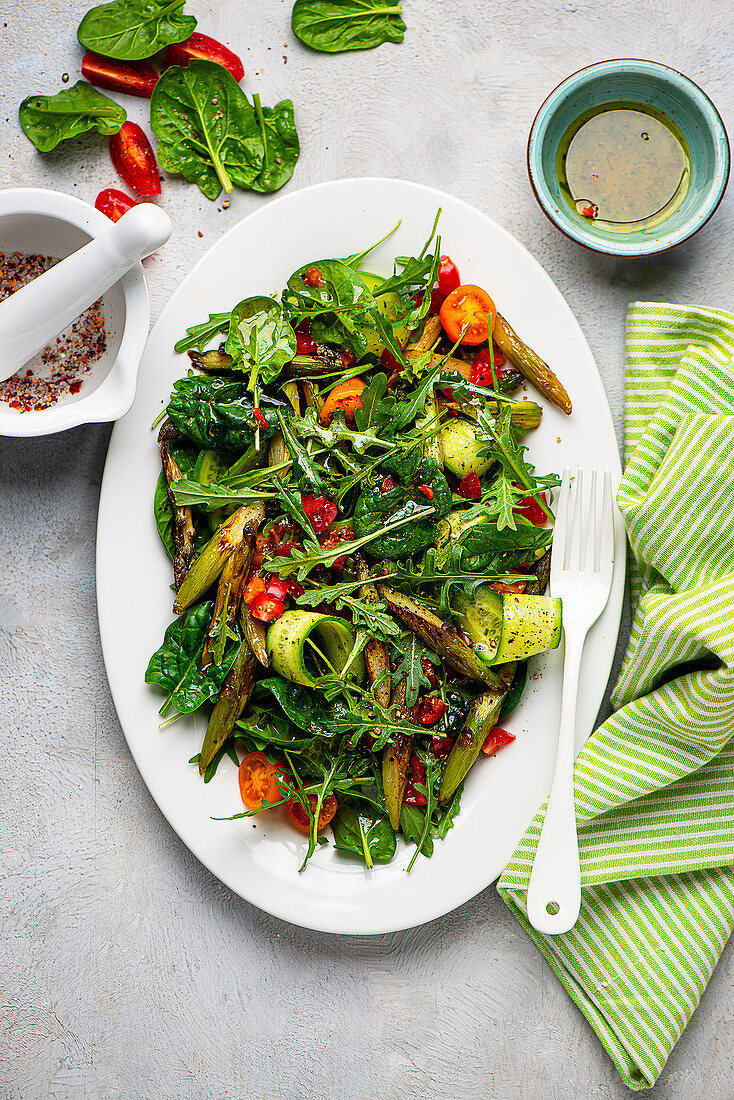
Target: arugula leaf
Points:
(446, 820)
(305, 470)
(218, 413)
(378, 409)
(357, 258)
(176, 667)
(372, 615)
(206, 128)
(500, 444)
(214, 495)
(336, 25)
(49, 119)
(413, 826)
(261, 340)
(198, 336)
(131, 30)
(411, 652)
(281, 147)
(363, 831)
(429, 788)
(310, 427)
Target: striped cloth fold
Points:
(654, 784)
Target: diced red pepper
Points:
(430, 710)
(255, 587)
(427, 491)
(260, 419)
(428, 672)
(530, 509)
(114, 203)
(448, 276)
(277, 587)
(133, 157)
(496, 739)
(389, 362)
(131, 77)
(200, 47)
(266, 608)
(413, 797)
(319, 510)
(481, 368)
(388, 485)
(441, 746)
(284, 550)
(333, 539)
(305, 343)
(470, 486)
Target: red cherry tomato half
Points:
(297, 812)
(131, 77)
(497, 739)
(114, 203)
(428, 672)
(448, 276)
(200, 47)
(259, 781)
(530, 509)
(134, 159)
(468, 314)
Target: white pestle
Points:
(34, 315)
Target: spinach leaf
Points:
(376, 508)
(303, 708)
(413, 828)
(408, 666)
(163, 514)
(281, 147)
(337, 301)
(198, 336)
(480, 544)
(261, 340)
(336, 25)
(217, 413)
(377, 411)
(176, 666)
(206, 128)
(133, 29)
(365, 832)
(49, 119)
(517, 687)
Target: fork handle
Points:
(555, 879)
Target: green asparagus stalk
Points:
(395, 761)
(482, 716)
(211, 561)
(233, 696)
(184, 533)
(529, 364)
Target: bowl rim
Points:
(684, 83)
(100, 405)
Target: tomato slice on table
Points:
(200, 47)
(259, 781)
(114, 203)
(297, 815)
(134, 159)
(131, 77)
(468, 308)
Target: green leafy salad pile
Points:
(359, 545)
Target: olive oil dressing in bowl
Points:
(628, 157)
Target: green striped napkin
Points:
(654, 784)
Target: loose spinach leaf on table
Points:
(206, 128)
(281, 147)
(218, 413)
(336, 25)
(198, 336)
(130, 30)
(176, 666)
(362, 830)
(49, 119)
(261, 340)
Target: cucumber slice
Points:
(287, 646)
(509, 627)
(460, 444)
(389, 306)
(530, 624)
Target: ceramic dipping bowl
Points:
(49, 223)
(653, 86)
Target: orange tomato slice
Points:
(259, 781)
(347, 396)
(297, 812)
(468, 310)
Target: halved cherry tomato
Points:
(471, 308)
(134, 159)
(470, 486)
(200, 47)
(441, 746)
(256, 587)
(297, 812)
(530, 509)
(114, 203)
(131, 77)
(347, 396)
(266, 608)
(260, 780)
(305, 343)
(448, 276)
(496, 739)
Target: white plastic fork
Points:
(582, 564)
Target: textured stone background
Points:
(126, 970)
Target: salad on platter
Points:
(360, 545)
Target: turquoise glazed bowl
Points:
(652, 85)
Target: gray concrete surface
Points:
(126, 970)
